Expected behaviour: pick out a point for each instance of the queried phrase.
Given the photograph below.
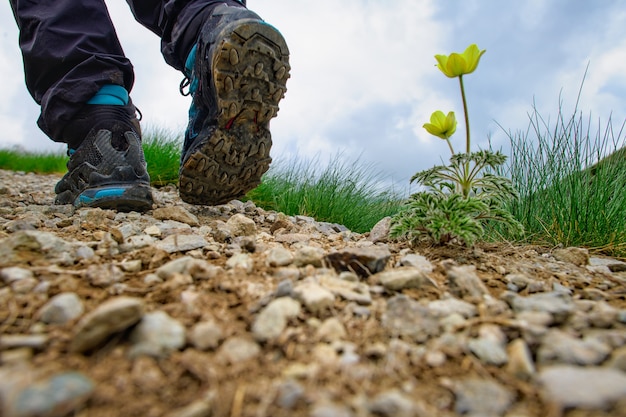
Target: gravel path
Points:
(190, 311)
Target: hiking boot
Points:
(237, 74)
(107, 168)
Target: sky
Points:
(364, 80)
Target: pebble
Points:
(181, 243)
(363, 261)
(402, 278)
(331, 330)
(176, 213)
(15, 273)
(110, 317)
(290, 392)
(583, 387)
(392, 403)
(206, 335)
(558, 304)
(563, 348)
(406, 317)
(237, 349)
(273, 319)
(56, 396)
(464, 282)
(61, 308)
(520, 362)
(158, 332)
(488, 351)
(480, 397)
(450, 305)
(279, 256)
(576, 256)
(315, 298)
(241, 225)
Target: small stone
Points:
(61, 309)
(408, 318)
(602, 315)
(176, 213)
(198, 269)
(561, 347)
(112, 316)
(56, 396)
(392, 403)
(24, 286)
(289, 393)
(435, 358)
(520, 360)
(181, 243)
(33, 341)
(480, 397)
(240, 225)
(206, 335)
(464, 282)
(32, 245)
(315, 298)
(131, 265)
(237, 349)
(363, 261)
(279, 256)
(309, 255)
(451, 305)
(398, 279)
(558, 304)
(104, 275)
(15, 273)
(488, 351)
(348, 290)
(241, 261)
(417, 261)
(380, 231)
(331, 330)
(272, 320)
(577, 387)
(158, 330)
(576, 256)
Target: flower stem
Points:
(450, 146)
(467, 127)
(466, 172)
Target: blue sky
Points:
(364, 78)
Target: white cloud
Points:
(363, 75)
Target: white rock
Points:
(206, 335)
(61, 309)
(272, 320)
(576, 387)
(315, 298)
(160, 331)
(240, 225)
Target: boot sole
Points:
(250, 68)
(122, 197)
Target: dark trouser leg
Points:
(176, 22)
(70, 50)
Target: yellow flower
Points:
(459, 64)
(441, 125)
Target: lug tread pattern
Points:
(250, 68)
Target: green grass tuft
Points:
(162, 150)
(38, 162)
(341, 192)
(572, 182)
